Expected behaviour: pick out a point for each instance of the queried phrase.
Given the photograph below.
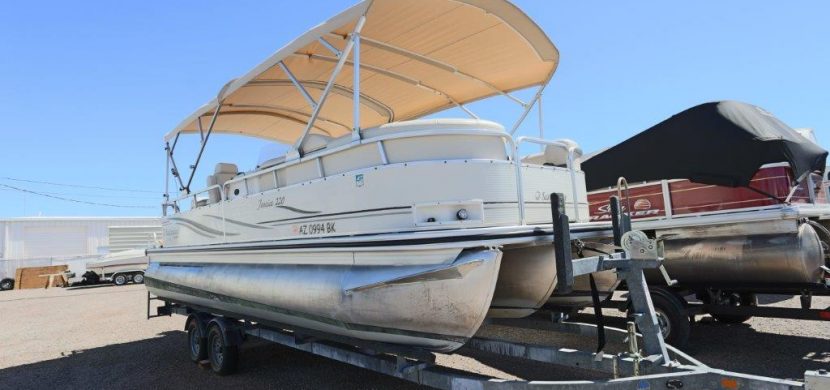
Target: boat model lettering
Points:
(268, 203)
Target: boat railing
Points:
(273, 171)
(570, 149)
(193, 196)
(511, 143)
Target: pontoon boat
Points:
(378, 224)
(737, 198)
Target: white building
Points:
(38, 241)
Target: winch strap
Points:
(597, 314)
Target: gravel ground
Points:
(98, 337)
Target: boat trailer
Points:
(648, 363)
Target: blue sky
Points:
(89, 88)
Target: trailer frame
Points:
(645, 366)
(626, 370)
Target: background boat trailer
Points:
(652, 365)
(680, 312)
(728, 304)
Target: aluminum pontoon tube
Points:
(794, 257)
(436, 307)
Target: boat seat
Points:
(271, 162)
(315, 142)
(222, 173)
(416, 125)
(430, 124)
(555, 155)
(271, 154)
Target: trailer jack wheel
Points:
(223, 357)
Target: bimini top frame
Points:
(408, 59)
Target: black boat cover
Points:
(722, 143)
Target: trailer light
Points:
(462, 214)
(824, 315)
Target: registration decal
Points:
(316, 228)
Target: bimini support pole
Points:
(297, 85)
(541, 124)
(527, 108)
(465, 109)
(201, 131)
(322, 100)
(166, 179)
(356, 86)
(202, 147)
(172, 161)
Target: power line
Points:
(79, 185)
(109, 196)
(75, 200)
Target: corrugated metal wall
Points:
(123, 237)
(30, 238)
(2, 239)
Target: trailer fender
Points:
(230, 328)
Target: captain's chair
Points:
(222, 173)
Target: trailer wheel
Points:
(119, 280)
(91, 278)
(223, 357)
(671, 317)
(138, 278)
(6, 284)
(735, 300)
(196, 340)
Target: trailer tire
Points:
(672, 317)
(138, 278)
(91, 278)
(744, 299)
(196, 344)
(222, 356)
(119, 279)
(6, 284)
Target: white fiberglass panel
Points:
(380, 199)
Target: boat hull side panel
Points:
(437, 307)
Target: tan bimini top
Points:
(416, 58)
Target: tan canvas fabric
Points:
(417, 57)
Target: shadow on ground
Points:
(88, 286)
(768, 299)
(162, 362)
